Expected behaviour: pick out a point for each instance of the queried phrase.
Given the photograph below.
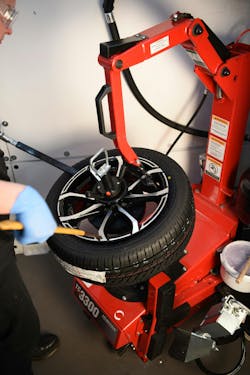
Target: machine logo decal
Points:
(119, 314)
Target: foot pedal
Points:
(188, 346)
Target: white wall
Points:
(50, 76)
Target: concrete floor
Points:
(83, 348)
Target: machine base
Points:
(144, 325)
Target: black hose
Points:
(182, 128)
(138, 95)
(235, 370)
(108, 7)
(189, 122)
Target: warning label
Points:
(219, 127)
(159, 45)
(213, 168)
(216, 148)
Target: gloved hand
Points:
(33, 212)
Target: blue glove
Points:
(33, 212)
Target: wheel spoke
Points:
(134, 184)
(134, 222)
(146, 196)
(151, 171)
(71, 195)
(94, 209)
(101, 230)
(155, 170)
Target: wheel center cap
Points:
(117, 189)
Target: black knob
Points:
(197, 30)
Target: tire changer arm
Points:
(223, 70)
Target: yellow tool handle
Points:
(243, 271)
(16, 225)
(10, 225)
(73, 231)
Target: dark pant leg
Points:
(19, 324)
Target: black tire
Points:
(123, 258)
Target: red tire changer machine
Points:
(224, 70)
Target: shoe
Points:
(47, 346)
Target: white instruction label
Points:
(216, 148)
(159, 45)
(213, 168)
(219, 127)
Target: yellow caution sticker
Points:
(216, 148)
(219, 127)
